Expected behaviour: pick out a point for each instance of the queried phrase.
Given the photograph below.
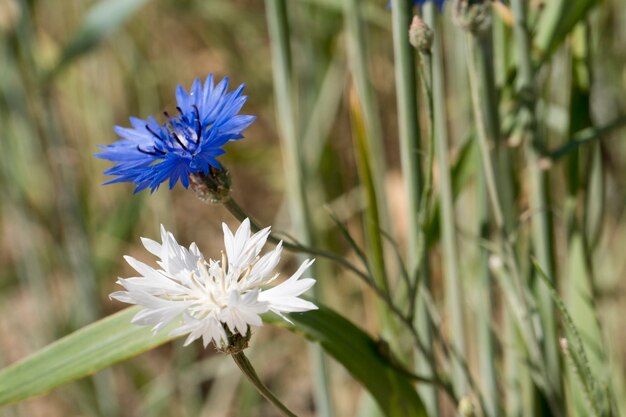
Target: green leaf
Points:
(82, 353)
(114, 339)
(557, 21)
(100, 21)
(363, 357)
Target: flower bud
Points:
(211, 188)
(473, 16)
(420, 35)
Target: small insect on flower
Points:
(213, 299)
(150, 153)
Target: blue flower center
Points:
(181, 135)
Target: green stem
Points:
(485, 321)
(448, 224)
(542, 234)
(278, 26)
(409, 134)
(248, 370)
(240, 214)
(585, 136)
(384, 296)
(406, 97)
(509, 275)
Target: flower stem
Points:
(417, 198)
(541, 225)
(240, 214)
(297, 185)
(248, 370)
(509, 277)
(454, 286)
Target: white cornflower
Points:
(206, 297)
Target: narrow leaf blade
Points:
(557, 21)
(363, 357)
(82, 353)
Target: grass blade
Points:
(82, 353)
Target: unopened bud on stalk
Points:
(420, 35)
(473, 16)
(211, 188)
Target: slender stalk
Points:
(239, 213)
(366, 278)
(248, 370)
(514, 370)
(406, 98)
(509, 276)
(454, 286)
(409, 133)
(585, 136)
(278, 26)
(486, 342)
(385, 298)
(542, 234)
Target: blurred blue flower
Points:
(420, 3)
(151, 153)
(438, 3)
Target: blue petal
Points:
(150, 153)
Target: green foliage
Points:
(59, 226)
(102, 20)
(114, 339)
(370, 362)
(82, 353)
(556, 23)
(575, 349)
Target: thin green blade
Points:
(82, 353)
(556, 23)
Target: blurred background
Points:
(70, 70)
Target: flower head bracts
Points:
(150, 153)
(210, 297)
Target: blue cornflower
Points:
(150, 153)
(438, 3)
(420, 3)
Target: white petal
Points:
(209, 329)
(242, 248)
(284, 297)
(152, 246)
(243, 311)
(262, 270)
